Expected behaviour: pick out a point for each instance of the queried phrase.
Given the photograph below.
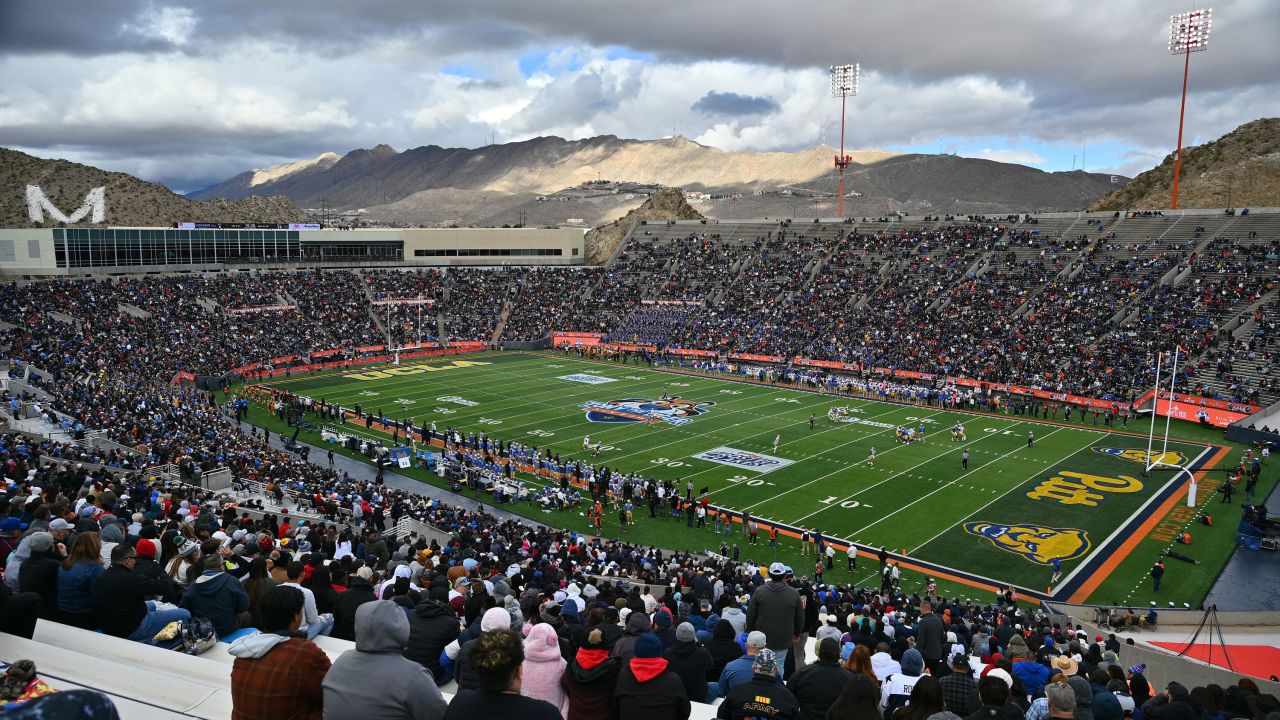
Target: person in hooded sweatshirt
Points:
(278, 673)
(375, 681)
(688, 659)
(498, 657)
(432, 626)
(662, 628)
(646, 688)
(817, 685)
(736, 617)
(882, 662)
(359, 591)
(219, 597)
(724, 649)
(637, 625)
(589, 679)
(543, 667)
(896, 689)
(763, 695)
(1084, 697)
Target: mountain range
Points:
(498, 184)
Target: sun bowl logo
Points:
(1035, 543)
(672, 411)
(1142, 457)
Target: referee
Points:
(964, 460)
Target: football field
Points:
(1077, 495)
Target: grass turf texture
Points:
(1003, 519)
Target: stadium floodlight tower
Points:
(1188, 33)
(844, 82)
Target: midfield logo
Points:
(672, 411)
(1035, 543)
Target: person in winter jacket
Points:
(776, 610)
(219, 597)
(432, 626)
(816, 686)
(498, 657)
(543, 667)
(589, 679)
(147, 567)
(277, 674)
(646, 689)
(75, 581)
(723, 647)
(931, 635)
(40, 573)
(736, 617)
(637, 625)
(688, 659)
(120, 600)
(763, 695)
(896, 689)
(1084, 697)
(374, 681)
(460, 650)
(1105, 705)
(662, 628)
(359, 591)
(1032, 674)
(883, 664)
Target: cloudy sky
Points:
(189, 94)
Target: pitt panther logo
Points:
(673, 411)
(1144, 457)
(1035, 543)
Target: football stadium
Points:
(837, 457)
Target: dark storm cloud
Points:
(732, 104)
(81, 28)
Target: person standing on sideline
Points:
(1031, 438)
(852, 553)
(776, 610)
(964, 460)
(1157, 572)
(773, 537)
(804, 542)
(930, 633)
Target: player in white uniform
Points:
(586, 442)
(776, 442)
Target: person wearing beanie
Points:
(432, 626)
(219, 597)
(896, 689)
(662, 628)
(691, 661)
(959, 689)
(374, 681)
(763, 695)
(543, 667)
(589, 679)
(777, 611)
(816, 686)
(646, 688)
(457, 656)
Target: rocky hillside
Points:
(382, 179)
(666, 204)
(129, 201)
(1239, 169)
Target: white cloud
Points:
(173, 25)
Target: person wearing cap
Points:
(959, 690)
(120, 600)
(647, 689)
(817, 685)
(277, 673)
(777, 611)
(219, 597)
(147, 566)
(1061, 700)
(739, 670)
(590, 678)
(374, 681)
(10, 535)
(359, 591)
(763, 695)
(688, 659)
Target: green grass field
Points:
(1078, 495)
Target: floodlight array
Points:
(844, 80)
(1189, 31)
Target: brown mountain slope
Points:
(129, 201)
(1239, 169)
(666, 204)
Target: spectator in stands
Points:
(120, 600)
(926, 700)
(276, 673)
(883, 663)
(374, 681)
(219, 597)
(1062, 700)
(1105, 705)
(724, 648)
(359, 591)
(775, 609)
(690, 661)
(646, 688)
(959, 690)
(1173, 704)
(498, 656)
(40, 572)
(763, 694)
(18, 612)
(460, 650)
(930, 637)
(740, 670)
(859, 700)
(638, 626)
(543, 668)
(1084, 697)
(816, 686)
(257, 584)
(75, 581)
(589, 679)
(186, 562)
(994, 695)
(432, 626)
(897, 688)
(313, 623)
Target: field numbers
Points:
(744, 480)
(369, 393)
(786, 399)
(997, 430)
(489, 421)
(445, 411)
(554, 365)
(541, 433)
(666, 462)
(633, 377)
(847, 504)
(919, 419)
(730, 392)
(678, 384)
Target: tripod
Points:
(1210, 613)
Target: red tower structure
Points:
(844, 82)
(1188, 33)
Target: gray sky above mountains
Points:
(190, 94)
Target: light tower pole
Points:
(1188, 33)
(844, 82)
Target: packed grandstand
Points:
(322, 602)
